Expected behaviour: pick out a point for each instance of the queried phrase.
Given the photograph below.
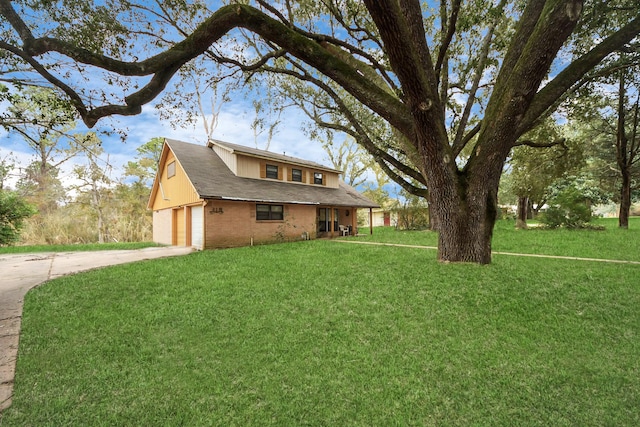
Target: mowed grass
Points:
(612, 243)
(323, 333)
(80, 247)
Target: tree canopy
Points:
(437, 92)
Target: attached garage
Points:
(179, 228)
(197, 227)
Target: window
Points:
(296, 175)
(171, 169)
(317, 178)
(269, 212)
(272, 171)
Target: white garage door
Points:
(197, 232)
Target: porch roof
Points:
(212, 179)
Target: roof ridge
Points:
(269, 154)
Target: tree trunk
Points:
(625, 199)
(522, 214)
(466, 218)
(622, 155)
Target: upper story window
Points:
(171, 169)
(318, 178)
(296, 175)
(272, 171)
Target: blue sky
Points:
(234, 125)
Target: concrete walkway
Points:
(21, 272)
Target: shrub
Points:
(13, 211)
(568, 209)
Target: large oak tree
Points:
(438, 110)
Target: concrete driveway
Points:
(21, 272)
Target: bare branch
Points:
(534, 144)
(448, 36)
(482, 62)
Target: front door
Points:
(327, 220)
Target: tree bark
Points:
(622, 155)
(625, 200)
(522, 214)
(465, 213)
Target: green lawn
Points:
(75, 248)
(323, 333)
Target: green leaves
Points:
(13, 211)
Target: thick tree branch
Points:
(511, 100)
(549, 94)
(402, 31)
(526, 26)
(358, 131)
(73, 96)
(164, 65)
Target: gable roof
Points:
(263, 154)
(212, 179)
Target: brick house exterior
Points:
(227, 195)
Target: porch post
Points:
(332, 219)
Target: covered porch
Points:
(336, 221)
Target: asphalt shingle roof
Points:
(212, 179)
(254, 152)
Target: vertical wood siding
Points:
(174, 191)
(230, 159)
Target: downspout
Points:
(162, 192)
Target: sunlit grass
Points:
(611, 243)
(324, 333)
(75, 247)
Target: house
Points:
(382, 217)
(226, 195)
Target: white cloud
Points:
(234, 126)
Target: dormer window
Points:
(318, 178)
(296, 175)
(272, 171)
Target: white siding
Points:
(229, 158)
(197, 227)
(162, 226)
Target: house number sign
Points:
(216, 210)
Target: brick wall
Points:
(231, 224)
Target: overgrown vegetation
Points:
(329, 333)
(13, 212)
(569, 208)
